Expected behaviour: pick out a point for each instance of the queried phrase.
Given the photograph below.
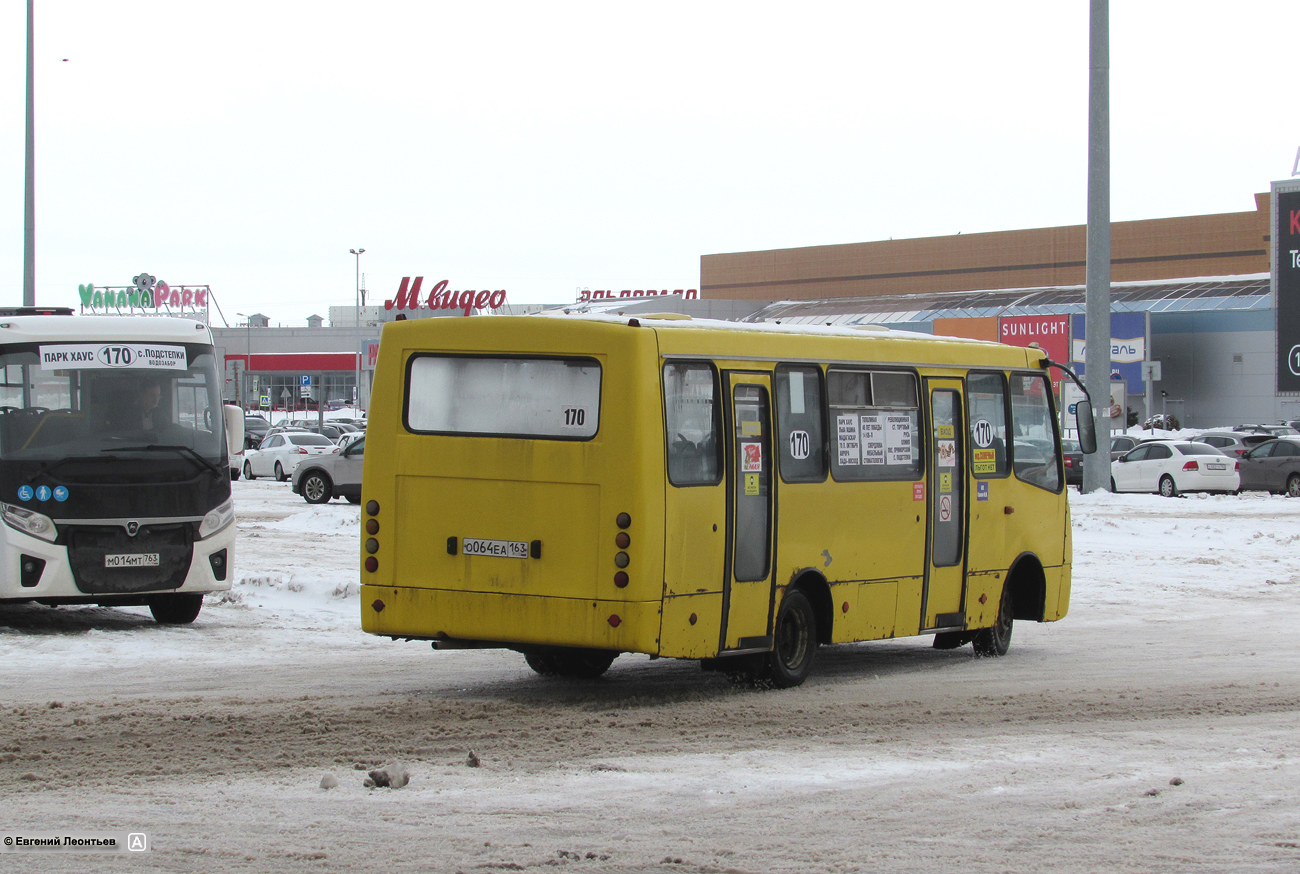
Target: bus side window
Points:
(986, 402)
(1035, 454)
(691, 422)
(799, 424)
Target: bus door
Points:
(946, 489)
(748, 586)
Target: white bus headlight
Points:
(217, 519)
(30, 522)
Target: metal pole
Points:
(29, 197)
(1096, 467)
(356, 396)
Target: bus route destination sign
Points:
(117, 356)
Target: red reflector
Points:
(845, 607)
(377, 605)
(620, 580)
(372, 564)
(615, 621)
(1191, 465)
(1236, 465)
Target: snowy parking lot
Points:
(1154, 728)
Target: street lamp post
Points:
(356, 391)
(248, 354)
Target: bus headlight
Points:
(217, 519)
(30, 522)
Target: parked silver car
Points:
(1234, 444)
(337, 475)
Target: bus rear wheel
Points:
(584, 664)
(996, 641)
(794, 645)
(175, 609)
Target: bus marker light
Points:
(693, 619)
(621, 540)
(372, 507)
(984, 599)
(844, 607)
(620, 580)
(451, 545)
(372, 526)
(623, 520)
(621, 559)
(377, 605)
(615, 621)
(372, 564)
(372, 545)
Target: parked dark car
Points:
(1121, 444)
(255, 428)
(1273, 467)
(1073, 463)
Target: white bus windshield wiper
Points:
(184, 450)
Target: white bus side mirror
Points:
(234, 418)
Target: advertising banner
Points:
(1286, 242)
(1128, 345)
(1051, 333)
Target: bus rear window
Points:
(556, 398)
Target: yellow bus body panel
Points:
(866, 540)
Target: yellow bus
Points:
(576, 487)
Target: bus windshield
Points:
(57, 403)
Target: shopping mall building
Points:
(1213, 300)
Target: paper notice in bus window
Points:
(873, 438)
(898, 438)
(984, 461)
(751, 457)
(846, 439)
(946, 450)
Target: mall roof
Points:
(1250, 292)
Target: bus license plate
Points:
(499, 548)
(139, 559)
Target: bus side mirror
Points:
(234, 419)
(1086, 426)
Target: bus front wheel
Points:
(175, 609)
(996, 641)
(793, 645)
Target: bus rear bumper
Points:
(510, 619)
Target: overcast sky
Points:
(547, 147)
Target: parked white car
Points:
(280, 454)
(1170, 467)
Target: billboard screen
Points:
(1286, 240)
(1128, 346)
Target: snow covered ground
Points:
(1155, 728)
